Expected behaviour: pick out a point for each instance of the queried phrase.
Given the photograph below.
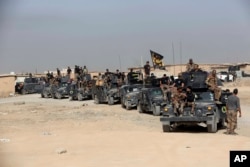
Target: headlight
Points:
(166, 109)
(209, 108)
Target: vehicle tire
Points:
(127, 107)
(166, 128)
(110, 100)
(23, 92)
(212, 128)
(42, 95)
(58, 95)
(45, 94)
(96, 100)
(53, 96)
(139, 109)
(122, 104)
(156, 110)
(221, 124)
(79, 96)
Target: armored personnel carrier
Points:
(206, 110)
(81, 90)
(106, 90)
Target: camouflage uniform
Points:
(179, 101)
(211, 81)
(233, 106)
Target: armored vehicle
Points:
(151, 100)
(83, 90)
(30, 85)
(106, 90)
(206, 110)
(58, 89)
(129, 95)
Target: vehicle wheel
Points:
(127, 107)
(156, 110)
(166, 128)
(53, 95)
(96, 99)
(122, 104)
(42, 95)
(222, 123)
(139, 109)
(110, 100)
(79, 96)
(212, 128)
(23, 92)
(45, 94)
(58, 95)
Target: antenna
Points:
(173, 57)
(181, 54)
(120, 63)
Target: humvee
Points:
(106, 92)
(129, 95)
(30, 85)
(81, 91)
(206, 111)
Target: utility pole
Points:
(173, 57)
(181, 54)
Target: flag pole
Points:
(181, 54)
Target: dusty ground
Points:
(34, 130)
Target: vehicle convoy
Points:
(30, 85)
(106, 90)
(206, 110)
(225, 76)
(81, 90)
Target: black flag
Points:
(157, 59)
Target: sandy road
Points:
(102, 135)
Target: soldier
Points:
(69, 71)
(190, 65)
(85, 70)
(147, 69)
(190, 99)
(233, 107)
(211, 81)
(179, 101)
(58, 72)
(166, 87)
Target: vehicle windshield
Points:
(31, 80)
(204, 96)
(132, 89)
(156, 92)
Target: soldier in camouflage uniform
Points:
(190, 65)
(178, 100)
(233, 107)
(211, 81)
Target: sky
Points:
(41, 35)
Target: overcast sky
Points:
(46, 34)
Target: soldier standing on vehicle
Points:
(190, 99)
(233, 107)
(165, 87)
(190, 65)
(179, 101)
(211, 81)
(85, 70)
(69, 71)
(147, 69)
(58, 72)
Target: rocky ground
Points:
(47, 132)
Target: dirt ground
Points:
(36, 132)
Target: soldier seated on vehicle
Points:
(211, 82)
(190, 65)
(178, 100)
(190, 97)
